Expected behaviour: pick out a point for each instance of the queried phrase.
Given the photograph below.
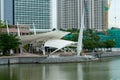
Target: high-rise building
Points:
(93, 10)
(95, 14)
(67, 12)
(31, 12)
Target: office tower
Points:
(95, 17)
(31, 12)
(95, 14)
(67, 12)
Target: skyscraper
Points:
(95, 14)
(93, 10)
(32, 12)
(67, 11)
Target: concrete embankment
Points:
(105, 54)
(17, 60)
(110, 54)
(46, 59)
(23, 60)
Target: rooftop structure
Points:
(38, 40)
(26, 39)
(24, 29)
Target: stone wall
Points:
(23, 60)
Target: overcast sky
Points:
(114, 11)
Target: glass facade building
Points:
(31, 12)
(37, 12)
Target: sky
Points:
(114, 11)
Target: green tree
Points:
(101, 45)
(1, 24)
(75, 37)
(90, 39)
(8, 42)
(89, 44)
(109, 44)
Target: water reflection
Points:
(7, 73)
(79, 72)
(96, 71)
(105, 70)
(115, 69)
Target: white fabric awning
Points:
(58, 43)
(25, 39)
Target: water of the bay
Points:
(106, 69)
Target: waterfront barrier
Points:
(24, 60)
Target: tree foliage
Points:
(8, 42)
(88, 44)
(109, 43)
(1, 24)
(91, 40)
(75, 37)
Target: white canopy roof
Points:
(25, 39)
(58, 43)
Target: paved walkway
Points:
(26, 55)
(38, 55)
(106, 54)
(22, 55)
(103, 54)
(110, 54)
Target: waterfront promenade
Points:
(106, 54)
(34, 58)
(111, 54)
